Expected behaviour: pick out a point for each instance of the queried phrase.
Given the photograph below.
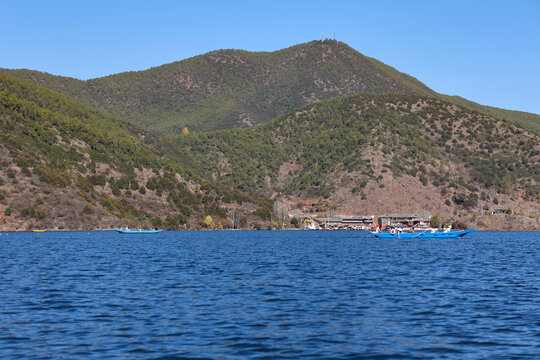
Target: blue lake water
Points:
(268, 295)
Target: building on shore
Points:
(356, 222)
(347, 222)
(403, 221)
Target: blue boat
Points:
(420, 235)
(128, 231)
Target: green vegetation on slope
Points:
(51, 145)
(36, 119)
(526, 120)
(361, 137)
(234, 88)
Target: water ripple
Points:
(268, 295)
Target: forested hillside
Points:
(235, 88)
(65, 165)
(316, 121)
(379, 153)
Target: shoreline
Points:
(184, 230)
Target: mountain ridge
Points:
(238, 88)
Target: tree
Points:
(281, 211)
(208, 221)
(471, 200)
(436, 221)
(235, 219)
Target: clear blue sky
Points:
(485, 51)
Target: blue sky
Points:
(485, 51)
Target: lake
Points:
(268, 295)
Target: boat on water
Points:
(38, 230)
(421, 234)
(129, 231)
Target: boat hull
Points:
(137, 231)
(424, 235)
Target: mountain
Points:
(235, 88)
(64, 165)
(318, 124)
(376, 154)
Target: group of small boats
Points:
(431, 233)
(393, 234)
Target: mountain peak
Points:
(236, 88)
